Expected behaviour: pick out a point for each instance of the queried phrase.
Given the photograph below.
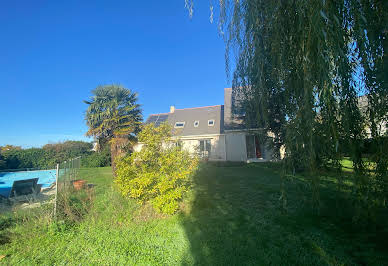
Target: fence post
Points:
(56, 191)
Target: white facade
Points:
(214, 132)
(236, 150)
(217, 146)
(231, 146)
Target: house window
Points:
(179, 125)
(210, 123)
(196, 123)
(205, 147)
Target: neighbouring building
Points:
(214, 132)
(381, 126)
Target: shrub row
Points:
(51, 154)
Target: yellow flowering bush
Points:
(160, 173)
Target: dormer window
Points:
(196, 123)
(179, 124)
(210, 123)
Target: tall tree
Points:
(301, 67)
(113, 117)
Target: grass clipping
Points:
(160, 173)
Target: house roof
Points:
(191, 115)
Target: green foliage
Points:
(73, 206)
(113, 116)
(160, 173)
(68, 149)
(232, 218)
(300, 70)
(27, 158)
(9, 147)
(97, 159)
(3, 163)
(112, 110)
(45, 157)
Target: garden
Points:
(309, 80)
(231, 214)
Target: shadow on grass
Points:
(235, 218)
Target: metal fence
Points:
(67, 173)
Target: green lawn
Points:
(347, 164)
(231, 217)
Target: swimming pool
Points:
(46, 178)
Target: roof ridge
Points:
(200, 107)
(187, 109)
(159, 114)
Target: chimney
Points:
(228, 99)
(172, 108)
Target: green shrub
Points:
(160, 173)
(27, 158)
(97, 159)
(62, 151)
(3, 163)
(46, 157)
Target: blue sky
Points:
(53, 53)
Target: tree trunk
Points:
(117, 149)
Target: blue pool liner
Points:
(46, 179)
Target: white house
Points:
(214, 132)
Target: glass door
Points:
(205, 148)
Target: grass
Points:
(232, 216)
(347, 164)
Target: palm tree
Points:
(113, 117)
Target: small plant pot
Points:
(79, 184)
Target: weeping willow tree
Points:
(301, 67)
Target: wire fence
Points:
(67, 173)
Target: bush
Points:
(160, 173)
(59, 152)
(97, 159)
(3, 163)
(28, 158)
(46, 157)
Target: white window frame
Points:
(196, 122)
(208, 122)
(175, 126)
(207, 147)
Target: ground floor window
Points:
(253, 147)
(205, 147)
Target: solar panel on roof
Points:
(161, 119)
(157, 119)
(152, 119)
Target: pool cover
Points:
(46, 178)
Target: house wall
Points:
(235, 147)
(226, 147)
(191, 144)
(217, 145)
